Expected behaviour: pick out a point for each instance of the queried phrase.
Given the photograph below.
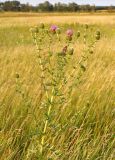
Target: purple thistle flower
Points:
(69, 32)
(53, 28)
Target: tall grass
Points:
(82, 129)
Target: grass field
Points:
(84, 129)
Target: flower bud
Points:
(98, 33)
(83, 67)
(46, 31)
(58, 31)
(63, 52)
(36, 30)
(78, 34)
(70, 52)
(40, 39)
(86, 26)
(42, 25)
(97, 37)
(64, 49)
(91, 51)
(31, 29)
(17, 75)
(84, 35)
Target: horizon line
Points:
(2, 1)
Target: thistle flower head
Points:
(53, 28)
(69, 32)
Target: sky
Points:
(96, 2)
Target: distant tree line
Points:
(48, 7)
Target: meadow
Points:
(60, 126)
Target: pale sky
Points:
(96, 2)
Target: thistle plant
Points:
(57, 82)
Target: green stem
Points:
(46, 123)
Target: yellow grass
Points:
(81, 132)
(30, 19)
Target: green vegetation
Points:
(49, 7)
(81, 129)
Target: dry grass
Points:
(29, 19)
(85, 130)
